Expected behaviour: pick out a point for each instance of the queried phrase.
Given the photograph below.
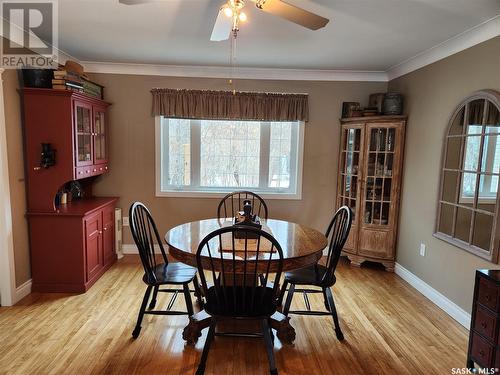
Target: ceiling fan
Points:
(231, 14)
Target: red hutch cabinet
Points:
(71, 244)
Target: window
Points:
(210, 157)
(488, 185)
(467, 211)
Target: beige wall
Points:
(16, 175)
(431, 94)
(132, 175)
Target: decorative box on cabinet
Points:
(369, 182)
(484, 338)
(71, 244)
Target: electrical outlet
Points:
(125, 221)
(422, 249)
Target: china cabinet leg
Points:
(355, 262)
(389, 266)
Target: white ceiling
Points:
(362, 34)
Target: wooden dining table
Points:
(302, 246)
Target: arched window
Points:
(467, 213)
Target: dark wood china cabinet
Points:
(72, 243)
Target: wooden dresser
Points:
(71, 244)
(484, 339)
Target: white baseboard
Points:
(448, 306)
(22, 291)
(132, 249)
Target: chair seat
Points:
(172, 273)
(310, 275)
(236, 302)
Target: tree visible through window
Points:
(220, 155)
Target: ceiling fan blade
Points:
(222, 28)
(292, 13)
(135, 2)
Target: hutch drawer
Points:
(485, 323)
(488, 294)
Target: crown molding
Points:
(467, 39)
(236, 73)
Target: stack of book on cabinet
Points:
(67, 80)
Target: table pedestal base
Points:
(201, 320)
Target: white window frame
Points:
(491, 146)
(185, 192)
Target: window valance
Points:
(202, 104)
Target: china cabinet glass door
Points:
(99, 137)
(83, 121)
(379, 175)
(350, 167)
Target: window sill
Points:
(222, 194)
(486, 255)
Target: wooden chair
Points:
(233, 202)
(237, 293)
(157, 274)
(321, 276)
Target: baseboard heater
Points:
(118, 233)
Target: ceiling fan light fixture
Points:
(242, 17)
(228, 11)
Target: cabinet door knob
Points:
(37, 168)
(481, 353)
(483, 325)
(87, 171)
(100, 232)
(488, 297)
(105, 228)
(95, 170)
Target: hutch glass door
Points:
(100, 137)
(379, 176)
(83, 124)
(350, 167)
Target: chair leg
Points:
(289, 297)
(152, 304)
(282, 292)
(206, 348)
(269, 347)
(198, 293)
(187, 297)
(327, 305)
(271, 333)
(137, 329)
(262, 279)
(335, 316)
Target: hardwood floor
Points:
(389, 328)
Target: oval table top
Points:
(301, 245)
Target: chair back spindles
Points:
(337, 233)
(233, 202)
(235, 271)
(146, 235)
